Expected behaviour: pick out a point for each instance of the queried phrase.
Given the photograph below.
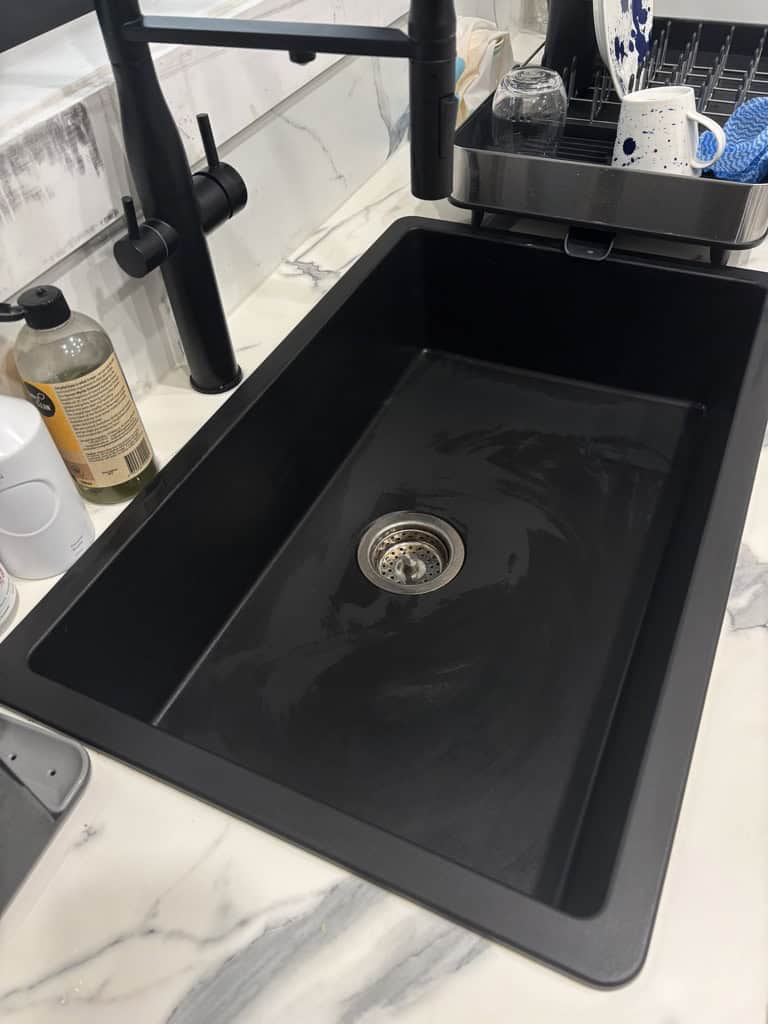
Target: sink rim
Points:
(607, 949)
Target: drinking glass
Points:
(529, 111)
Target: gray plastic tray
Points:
(42, 775)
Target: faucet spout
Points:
(432, 30)
(186, 209)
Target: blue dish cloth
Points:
(746, 155)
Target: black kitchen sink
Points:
(510, 748)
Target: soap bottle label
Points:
(95, 424)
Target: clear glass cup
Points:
(529, 111)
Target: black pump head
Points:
(42, 307)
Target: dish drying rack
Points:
(725, 64)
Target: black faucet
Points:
(180, 207)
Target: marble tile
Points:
(60, 184)
(748, 605)
(49, 72)
(302, 162)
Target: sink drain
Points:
(410, 553)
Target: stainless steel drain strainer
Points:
(410, 553)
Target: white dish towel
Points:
(486, 51)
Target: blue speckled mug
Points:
(659, 131)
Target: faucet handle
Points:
(209, 143)
(131, 221)
(146, 245)
(220, 191)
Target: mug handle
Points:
(717, 131)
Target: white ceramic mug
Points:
(659, 131)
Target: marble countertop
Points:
(152, 906)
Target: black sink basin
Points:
(511, 748)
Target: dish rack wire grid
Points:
(722, 78)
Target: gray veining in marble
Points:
(302, 264)
(66, 141)
(316, 274)
(317, 139)
(418, 962)
(396, 124)
(284, 945)
(748, 603)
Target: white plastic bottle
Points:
(44, 526)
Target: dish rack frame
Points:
(726, 65)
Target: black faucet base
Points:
(221, 388)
